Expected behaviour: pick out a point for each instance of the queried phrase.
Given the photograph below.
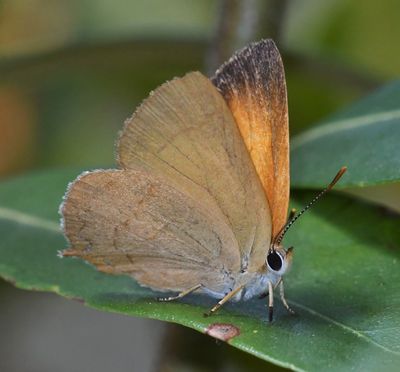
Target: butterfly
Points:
(200, 199)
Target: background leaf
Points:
(344, 283)
(364, 137)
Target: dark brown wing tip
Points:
(258, 65)
(256, 49)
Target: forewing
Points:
(132, 222)
(253, 85)
(186, 132)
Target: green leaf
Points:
(344, 284)
(365, 137)
(387, 195)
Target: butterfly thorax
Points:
(277, 263)
(259, 285)
(255, 284)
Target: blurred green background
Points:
(72, 71)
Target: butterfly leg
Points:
(283, 299)
(270, 302)
(180, 295)
(225, 299)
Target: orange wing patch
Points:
(253, 84)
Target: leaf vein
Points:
(342, 125)
(29, 220)
(345, 327)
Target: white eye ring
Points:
(274, 261)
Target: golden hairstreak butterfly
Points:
(200, 197)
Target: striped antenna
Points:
(286, 227)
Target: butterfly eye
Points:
(274, 260)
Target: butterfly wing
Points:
(132, 222)
(185, 132)
(253, 85)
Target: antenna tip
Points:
(338, 176)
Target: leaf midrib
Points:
(29, 220)
(38, 222)
(359, 334)
(342, 125)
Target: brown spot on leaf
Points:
(222, 331)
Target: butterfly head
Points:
(279, 259)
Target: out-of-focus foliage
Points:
(72, 71)
(80, 67)
(360, 35)
(41, 25)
